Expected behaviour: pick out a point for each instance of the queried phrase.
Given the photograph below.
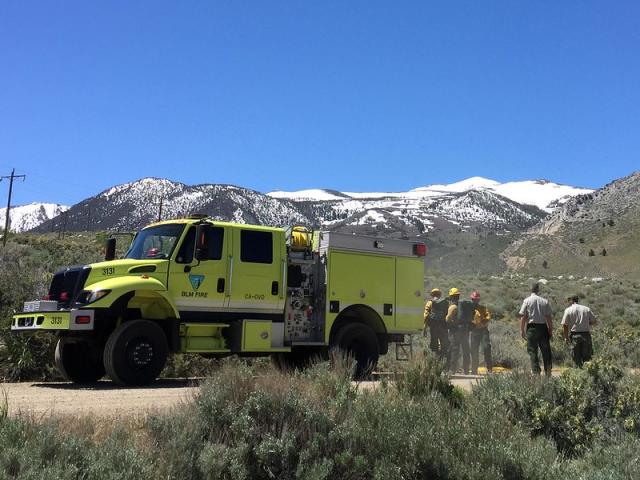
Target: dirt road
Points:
(104, 399)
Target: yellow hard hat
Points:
(454, 291)
(436, 291)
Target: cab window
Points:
(214, 241)
(185, 254)
(256, 246)
(155, 242)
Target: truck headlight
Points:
(96, 295)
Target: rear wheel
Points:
(79, 361)
(359, 342)
(296, 359)
(136, 353)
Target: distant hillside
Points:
(593, 234)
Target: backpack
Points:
(438, 312)
(466, 310)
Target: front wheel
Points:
(136, 353)
(79, 361)
(359, 342)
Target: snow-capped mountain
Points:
(27, 217)
(543, 194)
(135, 204)
(472, 205)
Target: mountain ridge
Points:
(596, 233)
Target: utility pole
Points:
(159, 205)
(6, 220)
(64, 224)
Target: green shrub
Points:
(424, 376)
(574, 410)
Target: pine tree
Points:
(604, 252)
(591, 253)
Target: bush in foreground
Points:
(256, 423)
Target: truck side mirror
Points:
(110, 249)
(200, 251)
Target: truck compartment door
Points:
(362, 279)
(409, 300)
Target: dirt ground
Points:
(105, 399)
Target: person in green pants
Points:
(576, 324)
(459, 317)
(435, 312)
(480, 335)
(536, 327)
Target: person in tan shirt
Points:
(536, 327)
(577, 321)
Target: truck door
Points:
(200, 286)
(256, 271)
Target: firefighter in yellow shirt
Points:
(480, 335)
(435, 312)
(458, 320)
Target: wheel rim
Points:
(139, 353)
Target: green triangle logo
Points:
(196, 281)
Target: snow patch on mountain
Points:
(540, 193)
(306, 195)
(26, 217)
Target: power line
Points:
(11, 178)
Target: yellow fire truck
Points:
(216, 289)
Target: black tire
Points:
(358, 341)
(136, 353)
(296, 360)
(79, 361)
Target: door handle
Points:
(220, 286)
(230, 275)
(274, 288)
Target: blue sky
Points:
(361, 95)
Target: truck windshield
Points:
(155, 242)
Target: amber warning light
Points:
(420, 249)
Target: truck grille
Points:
(67, 283)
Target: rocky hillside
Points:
(594, 234)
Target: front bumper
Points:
(72, 320)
